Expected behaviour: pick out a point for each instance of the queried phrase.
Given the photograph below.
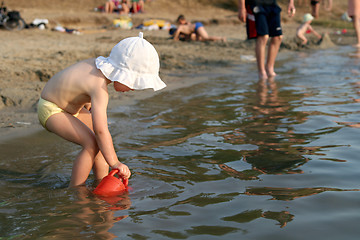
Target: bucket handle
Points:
(124, 180)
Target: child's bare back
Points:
(72, 87)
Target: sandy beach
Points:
(31, 56)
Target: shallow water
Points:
(225, 158)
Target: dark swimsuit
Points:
(314, 2)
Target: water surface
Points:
(226, 158)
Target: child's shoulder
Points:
(84, 69)
(90, 61)
(87, 63)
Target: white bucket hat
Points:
(133, 62)
(308, 17)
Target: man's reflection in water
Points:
(267, 129)
(268, 100)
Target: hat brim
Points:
(133, 80)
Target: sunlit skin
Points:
(354, 13)
(187, 30)
(303, 29)
(315, 7)
(110, 6)
(73, 89)
(119, 87)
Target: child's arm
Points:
(314, 32)
(99, 104)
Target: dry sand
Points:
(31, 56)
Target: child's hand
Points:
(123, 170)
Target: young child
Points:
(133, 64)
(305, 27)
(193, 31)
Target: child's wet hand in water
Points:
(124, 171)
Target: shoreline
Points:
(31, 56)
(20, 121)
(24, 122)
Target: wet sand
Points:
(30, 57)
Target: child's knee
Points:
(91, 146)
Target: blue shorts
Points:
(197, 25)
(267, 20)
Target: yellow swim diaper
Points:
(46, 109)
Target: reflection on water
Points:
(287, 194)
(282, 217)
(207, 159)
(61, 214)
(83, 218)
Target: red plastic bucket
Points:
(111, 185)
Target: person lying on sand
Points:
(193, 31)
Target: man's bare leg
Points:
(273, 50)
(260, 51)
(356, 21)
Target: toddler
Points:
(305, 27)
(63, 108)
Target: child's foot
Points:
(357, 45)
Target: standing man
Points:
(263, 20)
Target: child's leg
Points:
(303, 38)
(272, 53)
(72, 129)
(100, 167)
(260, 50)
